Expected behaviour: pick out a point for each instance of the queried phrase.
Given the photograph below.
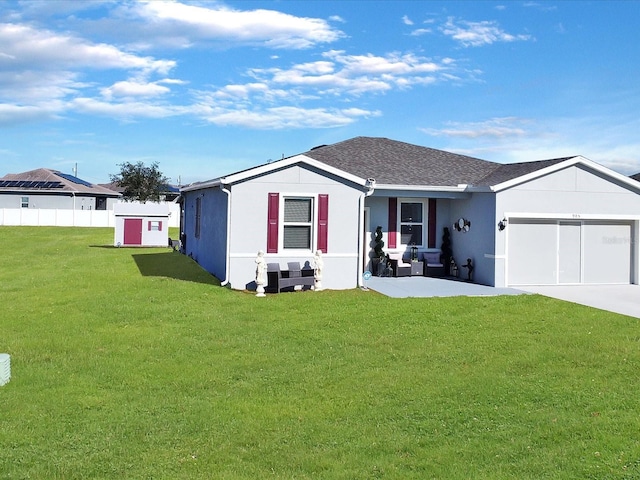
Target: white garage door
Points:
(551, 252)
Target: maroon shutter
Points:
(432, 223)
(323, 221)
(160, 226)
(149, 225)
(272, 222)
(393, 222)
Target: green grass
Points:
(135, 363)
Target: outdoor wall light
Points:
(502, 224)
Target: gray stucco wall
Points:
(248, 230)
(209, 250)
(575, 193)
(574, 190)
(478, 242)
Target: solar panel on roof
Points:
(32, 184)
(73, 179)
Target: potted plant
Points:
(379, 260)
(447, 252)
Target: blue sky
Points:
(208, 88)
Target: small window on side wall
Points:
(25, 202)
(297, 223)
(155, 226)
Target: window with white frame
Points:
(412, 223)
(297, 225)
(24, 202)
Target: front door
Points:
(133, 231)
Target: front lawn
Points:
(136, 364)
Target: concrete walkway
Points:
(403, 287)
(623, 299)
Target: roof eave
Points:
(270, 167)
(578, 159)
(425, 188)
(201, 185)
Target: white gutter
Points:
(463, 187)
(228, 246)
(371, 183)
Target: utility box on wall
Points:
(141, 225)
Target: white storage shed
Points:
(141, 225)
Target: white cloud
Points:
(41, 65)
(343, 74)
(26, 47)
(125, 110)
(513, 139)
(420, 31)
(475, 34)
(134, 89)
(265, 27)
(406, 20)
(492, 128)
(16, 114)
(286, 117)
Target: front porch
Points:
(404, 287)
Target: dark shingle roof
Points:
(391, 162)
(636, 177)
(509, 171)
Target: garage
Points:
(569, 252)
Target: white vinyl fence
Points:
(48, 217)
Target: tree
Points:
(140, 182)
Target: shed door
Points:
(133, 231)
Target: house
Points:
(44, 188)
(559, 221)
(141, 224)
(636, 177)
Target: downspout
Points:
(228, 246)
(371, 185)
(73, 194)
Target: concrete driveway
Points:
(624, 299)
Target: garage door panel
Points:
(569, 252)
(551, 252)
(532, 252)
(607, 252)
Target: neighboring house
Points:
(636, 177)
(50, 189)
(561, 221)
(141, 224)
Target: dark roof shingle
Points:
(391, 162)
